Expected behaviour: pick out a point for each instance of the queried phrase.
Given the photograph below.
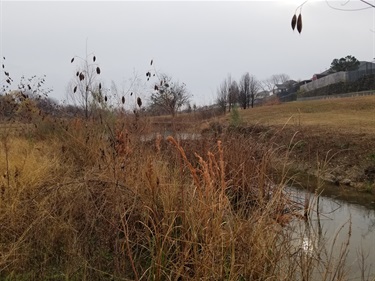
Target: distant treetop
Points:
(344, 64)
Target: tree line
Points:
(246, 91)
(166, 95)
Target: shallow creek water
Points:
(334, 223)
(341, 211)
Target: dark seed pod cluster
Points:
(297, 22)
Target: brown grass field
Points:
(89, 200)
(347, 115)
(341, 130)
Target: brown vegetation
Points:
(339, 130)
(93, 200)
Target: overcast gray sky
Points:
(198, 43)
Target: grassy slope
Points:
(341, 130)
(352, 115)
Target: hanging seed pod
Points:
(139, 101)
(29, 87)
(294, 21)
(77, 73)
(6, 73)
(156, 88)
(94, 59)
(3, 66)
(100, 86)
(123, 99)
(98, 70)
(87, 88)
(105, 98)
(81, 76)
(131, 93)
(299, 23)
(71, 60)
(151, 62)
(8, 81)
(75, 89)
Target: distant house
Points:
(282, 89)
(321, 75)
(287, 91)
(366, 66)
(328, 77)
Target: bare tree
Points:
(270, 83)
(233, 94)
(85, 90)
(248, 89)
(222, 96)
(169, 96)
(244, 94)
(280, 78)
(254, 90)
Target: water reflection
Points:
(338, 230)
(177, 135)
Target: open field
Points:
(347, 115)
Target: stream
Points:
(335, 223)
(343, 223)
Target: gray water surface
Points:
(335, 223)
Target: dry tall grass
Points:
(82, 200)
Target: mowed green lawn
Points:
(352, 115)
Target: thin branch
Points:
(300, 6)
(372, 5)
(351, 10)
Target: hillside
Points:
(333, 137)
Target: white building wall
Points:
(341, 76)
